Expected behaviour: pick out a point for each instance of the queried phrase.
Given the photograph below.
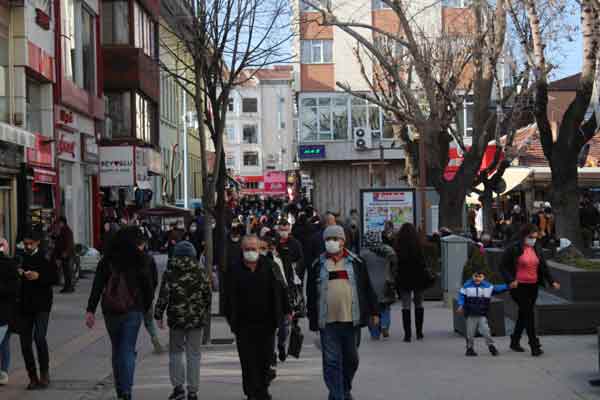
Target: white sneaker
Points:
(3, 378)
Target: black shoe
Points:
(282, 353)
(595, 382)
(536, 351)
(493, 350)
(515, 346)
(67, 290)
(419, 316)
(178, 394)
(470, 352)
(406, 324)
(385, 332)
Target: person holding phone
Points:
(37, 278)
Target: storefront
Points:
(11, 158)
(39, 184)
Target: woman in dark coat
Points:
(410, 277)
(9, 290)
(524, 269)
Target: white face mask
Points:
(530, 242)
(251, 256)
(332, 246)
(235, 239)
(284, 234)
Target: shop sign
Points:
(41, 153)
(90, 148)
(275, 182)
(66, 146)
(12, 134)
(42, 12)
(141, 169)
(381, 205)
(312, 152)
(44, 176)
(116, 166)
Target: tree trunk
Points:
(452, 204)
(220, 234)
(487, 208)
(565, 202)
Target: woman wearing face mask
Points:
(525, 269)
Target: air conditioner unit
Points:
(363, 139)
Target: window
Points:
(230, 105)
(168, 95)
(88, 50)
(144, 119)
(324, 118)
(317, 51)
(380, 5)
(231, 160)
(280, 112)
(4, 76)
(250, 134)
(118, 124)
(250, 105)
(33, 98)
(115, 22)
(144, 31)
(307, 7)
(251, 159)
(230, 131)
(79, 44)
(464, 117)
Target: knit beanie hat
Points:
(334, 231)
(184, 249)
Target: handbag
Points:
(296, 341)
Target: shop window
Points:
(115, 22)
(118, 124)
(251, 159)
(250, 105)
(144, 119)
(33, 98)
(144, 31)
(250, 134)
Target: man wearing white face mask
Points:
(340, 301)
(254, 307)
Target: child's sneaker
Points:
(178, 394)
(493, 350)
(3, 378)
(470, 352)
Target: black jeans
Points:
(255, 349)
(525, 295)
(34, 328)
(67, 268)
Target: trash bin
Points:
(455, 252)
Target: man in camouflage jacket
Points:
(186, 296)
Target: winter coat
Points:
(184, 293)
(367, 298)
(291, 253)
(37, 296)
(304, 234)
(9, 289)
(382, 265)
(411, 270)
(281, 306)
(475, 299)
(139, 282)
(64, 247)
(509, 264)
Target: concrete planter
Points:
(577, 285)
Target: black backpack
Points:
(118, 297)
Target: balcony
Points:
(127, 68)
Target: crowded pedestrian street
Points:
(432, 369)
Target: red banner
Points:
(41, 154)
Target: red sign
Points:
(455, 160)
(66, 117)
(44, 176)
(42, 19)
(275, 183)
(41, 154)
(389, 196)
(67, 145)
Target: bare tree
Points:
(224, 43)
(420, 79)
(532, 19)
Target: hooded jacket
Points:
(475, 299)
(185, 292)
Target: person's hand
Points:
(460, 311)
(90, 320)
(514, 284)
(556, 285)
(32, 275)
(375, 320)
(160, 323)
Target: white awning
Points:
(513, 176)
(12, 134)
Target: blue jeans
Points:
(123, 331)
(4, 350)
(339, 346)
(385, 321)
(283, 332)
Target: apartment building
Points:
(260, 135)
(344, 142)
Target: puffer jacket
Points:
(185, 294)
(382, 265)
(475, 299)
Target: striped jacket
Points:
(475, 299)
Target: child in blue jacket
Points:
(474, 301)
